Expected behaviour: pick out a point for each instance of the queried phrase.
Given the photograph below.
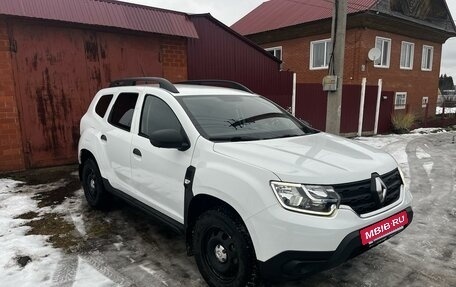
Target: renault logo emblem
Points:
(381, 189)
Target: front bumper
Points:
(293, 265)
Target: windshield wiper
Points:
(232, 139)
(257, 118)
(287, 136)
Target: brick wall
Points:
(11, 156)
(417, 83)
(173, 53)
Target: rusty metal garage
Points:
(55, 55)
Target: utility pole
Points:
(336, 66)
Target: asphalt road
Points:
(129, 249)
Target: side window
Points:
(384, 44)
(157, 115)
(428, 56)
(122, 111)
(407, 53)
(320, 54)
(276, 52)
(400, 101)
(102, 105)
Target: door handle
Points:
(137, 152)
(104, 138)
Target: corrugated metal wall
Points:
(219, 54)
(311, 103)
(58, 70)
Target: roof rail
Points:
(218, 83)
(163, 83)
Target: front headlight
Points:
(311, 199)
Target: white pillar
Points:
(377, 110)
(361, 107)
(293, 96)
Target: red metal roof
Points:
(276, 14)
(104, 13)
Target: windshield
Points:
(240, 118)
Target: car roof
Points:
(184, 90)
(191, 90)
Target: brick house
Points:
(409, 35)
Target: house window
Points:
(428, 55)
(400, 101)
(425, 102)
(407, 53)
(276, 52)
(384, 44)
(320, 54)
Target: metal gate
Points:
(311, 102)
(57, 71)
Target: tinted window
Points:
(102, 105)
(122, 111)
(157, 115)
(240, 118)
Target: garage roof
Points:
(104, 13)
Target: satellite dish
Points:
(374, 54)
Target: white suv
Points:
(258, 193)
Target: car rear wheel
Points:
(92, 183)
(223, 250)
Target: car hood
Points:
(313, 159)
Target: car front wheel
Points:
(223, 250)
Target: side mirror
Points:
(170, 139)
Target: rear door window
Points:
(122, 111)
(103, 104)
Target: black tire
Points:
(92, 183)
(224, 251)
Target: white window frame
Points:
(326, 61)
(425, 102)
(412, 55)
(381, 55)
(274, 49)
(423, 58)
(404, 105)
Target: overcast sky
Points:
(229, 11)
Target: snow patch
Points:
(88, 276)
(428, 167)
(14, 243)
(425, 131)
(421, 154)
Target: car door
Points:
(116, 139)
(158, 173)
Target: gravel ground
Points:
(50, 237)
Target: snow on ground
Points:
(30, 260)
(14, 244)
(88, 276)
